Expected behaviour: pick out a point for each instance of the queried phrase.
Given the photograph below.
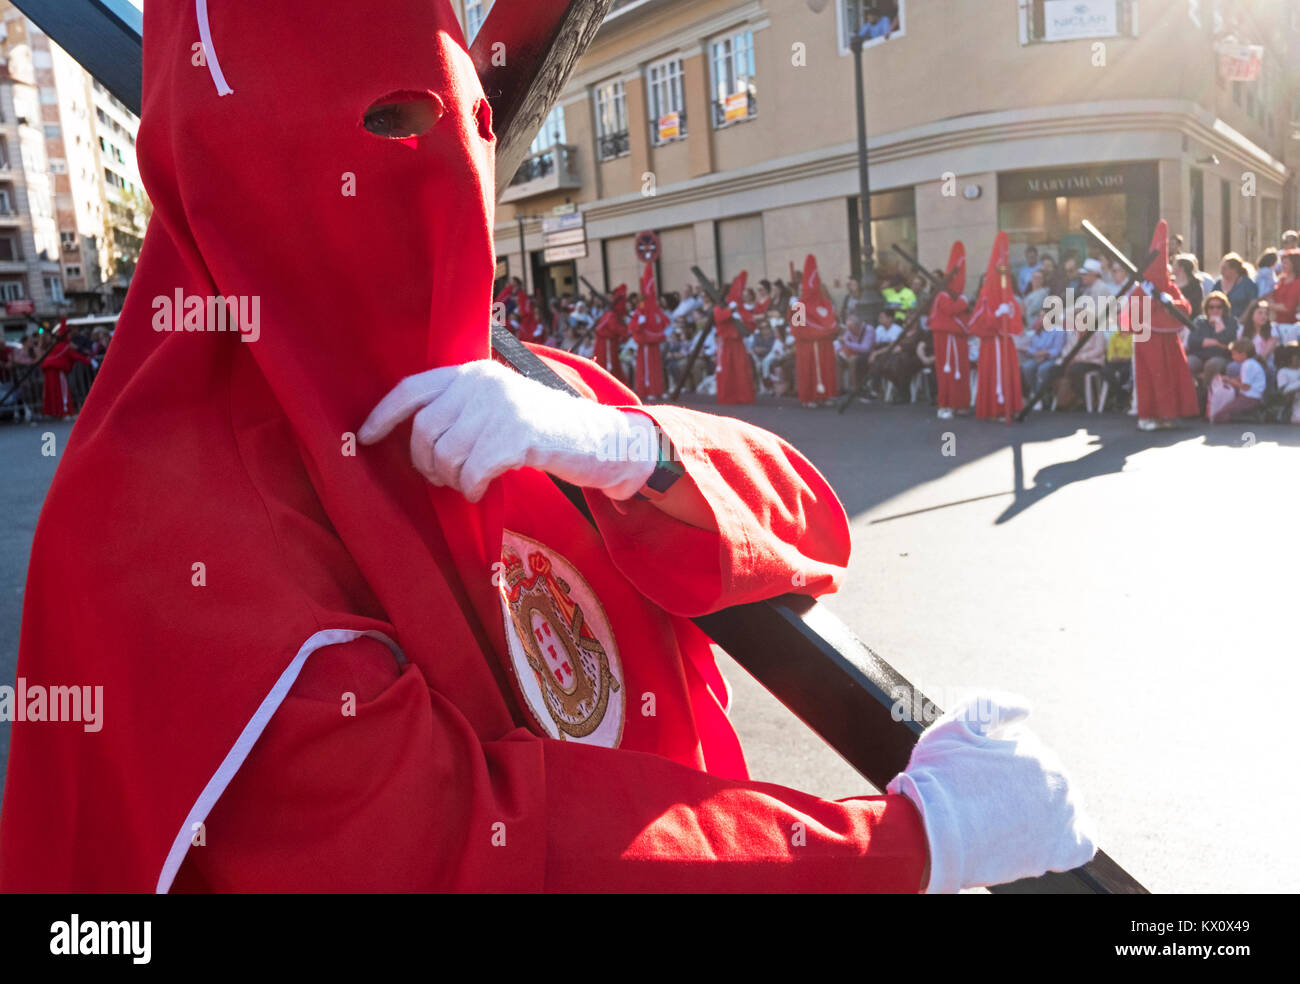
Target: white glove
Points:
(1166, 297)
(1004, 311)
(1148, 288)
(734, 305)
(477, 421)
(995, 800)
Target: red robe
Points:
(735, 368)
(951, 351)
(947, 323)
(650, 329)
(322, 673)
(1161, 377)
(816, 374)
(611, 333)
(58, 401)
(999, 393)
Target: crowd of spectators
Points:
(890, 357)
(32, 364)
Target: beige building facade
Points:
(85, 169)
(728, 127)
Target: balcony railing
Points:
(613, 145)
(553, 169)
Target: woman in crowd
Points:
(1210, 336)
(1286, 297)
(1257, 325)
(1187, 276)
(1266, 273)
(1236, 281)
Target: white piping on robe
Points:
(248, 738)
(817, 361)
(209, 52)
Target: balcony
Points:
(553, 169)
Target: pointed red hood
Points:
(956, 262)
(998, 288)
(1157, 270)
(247, 521)
(817, 304)
(736, 295)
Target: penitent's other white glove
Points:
(477, 421)
(995, 800)
(1148, 288)
(1166, 297)
(1004, 311)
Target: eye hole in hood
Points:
(403, 115)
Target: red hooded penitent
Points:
(650, 329)
(735, 368)
(999, 393)
(1161, 377)
(947, 322)
(813, 324)
(319, 672)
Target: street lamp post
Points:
(867, 262)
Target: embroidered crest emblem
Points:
(561, 646)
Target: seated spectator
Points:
(1288, 381)
(1266, 272)
(1187, 277)
(1051, 275)
(887, 332)
(1027, 271)
(1091, 358)
(1033, 302)
(1235, 281)
(1250, 386)
(1286, 297)
(1118, 370)
(898, 296)
(1209, 338)
(925, 355)
(1042, 351)
(1257, 325)
(854, 350)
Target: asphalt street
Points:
(1138, 589)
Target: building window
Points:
(476, 12)
(1074, 20)
(6, 202)
(611, 121)
(667, 101)
(68, 240)
(49, 97)
(52, 131)
(877, 20)
(551, 133)
(11, 290)
(10, 250)
(735, 92)
(73, 272)
(54, 288)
